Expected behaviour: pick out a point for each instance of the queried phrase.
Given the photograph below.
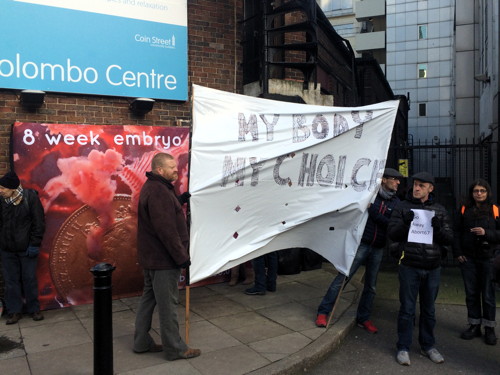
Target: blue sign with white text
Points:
(118, 48)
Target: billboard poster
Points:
(132, 48)
(88, 178)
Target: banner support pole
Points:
(336, 301)
(188, 281)
(188, 295)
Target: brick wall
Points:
(214, 57)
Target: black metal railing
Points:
(454, 164)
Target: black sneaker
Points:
(489, 336)
(14, 318)
(255, 292)
(37, 316)
(474, 330)
(271, 287)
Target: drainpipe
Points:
(265, 65)
(353, 69)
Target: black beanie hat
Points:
(10, 181)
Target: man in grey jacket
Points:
(162, 249)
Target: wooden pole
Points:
(188, 297)
(336, 301)
(188, 281)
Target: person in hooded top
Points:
(369, 253)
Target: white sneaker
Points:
(433, 355)
(403, 358)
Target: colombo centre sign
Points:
(132, 48)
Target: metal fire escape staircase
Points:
(275, 33)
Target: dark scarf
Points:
(386, 194)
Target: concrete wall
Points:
(369, 8)
(291, 88)
(370, 41)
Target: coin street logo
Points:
(155, 41)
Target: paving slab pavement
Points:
(237, 333)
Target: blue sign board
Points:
(132, 48)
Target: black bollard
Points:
(103, 322)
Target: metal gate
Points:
(454, 166)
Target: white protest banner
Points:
(421, 230)
(268, 175)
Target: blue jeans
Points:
(424, 284)
(371, 257)
(266, 280)
(479, 291)
(21, 285)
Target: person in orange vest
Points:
(477, 242)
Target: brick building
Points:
(218, 36)
(261, 48)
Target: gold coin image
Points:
(70, 262)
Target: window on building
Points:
(337, 6)
(422, 70)
(422, 31)
(344, 30)
(422, 109)
(367, 26)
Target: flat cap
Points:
(391, 172)
(424, 177)
(10, 180)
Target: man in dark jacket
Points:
(369, 252)
(419, 266)
(162, 249)
(21, 231)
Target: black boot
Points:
(474, 330)
(489, 336)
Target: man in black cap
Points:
(369, 253)
(22, 227)
(419, 266)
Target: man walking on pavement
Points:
(162, 249)
(419, 265)
(369, 252)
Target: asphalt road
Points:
(364, 353)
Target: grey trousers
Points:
(160, 288)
